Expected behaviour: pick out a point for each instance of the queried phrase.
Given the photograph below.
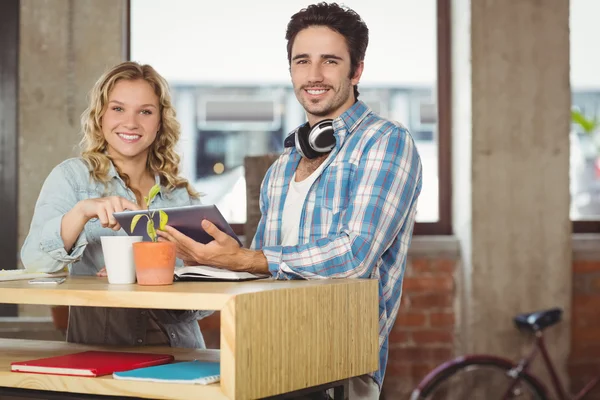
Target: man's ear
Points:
(358, 73)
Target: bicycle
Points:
(488, 377)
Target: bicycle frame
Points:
(540, 345)
(481, 359)
(516, 371)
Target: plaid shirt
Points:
(358, 216)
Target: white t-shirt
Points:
(294, 203)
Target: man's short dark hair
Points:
(340, 19)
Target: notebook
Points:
(90, 363)
(198, 372)
(206, 273)
(23, 274)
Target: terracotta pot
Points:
(154, 262)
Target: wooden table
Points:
(276, 336)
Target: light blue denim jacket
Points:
(43, 250)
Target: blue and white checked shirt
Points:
(358, 216)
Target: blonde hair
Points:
(162, 158)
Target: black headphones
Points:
(316, 141)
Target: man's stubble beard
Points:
(339, 98)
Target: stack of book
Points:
(124, 365)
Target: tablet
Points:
(186, 219)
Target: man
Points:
(340, 202)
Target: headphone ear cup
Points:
(321, 138)
(302, 144)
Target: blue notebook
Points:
(200, 372)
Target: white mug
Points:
(118, 258)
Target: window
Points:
(585, 129)
(231, 87)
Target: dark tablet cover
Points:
(186, 219)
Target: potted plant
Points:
(154, 260)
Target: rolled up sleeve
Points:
(44, 248)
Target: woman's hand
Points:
(103, 209)
(74, 221)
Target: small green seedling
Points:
(164, 218)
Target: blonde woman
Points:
(128, 145)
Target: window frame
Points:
(585, 226)
(443, 226)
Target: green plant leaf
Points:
(586, 124)
(135, 220)
(153, 192)
(150, 229)
(164, 218)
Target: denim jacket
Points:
(43, 251)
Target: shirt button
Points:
(139, 340)
(172, 335)
(144, 313)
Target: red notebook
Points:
(91, 363)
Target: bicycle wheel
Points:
(475, 379)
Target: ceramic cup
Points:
(118, 258)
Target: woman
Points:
(129, 138)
